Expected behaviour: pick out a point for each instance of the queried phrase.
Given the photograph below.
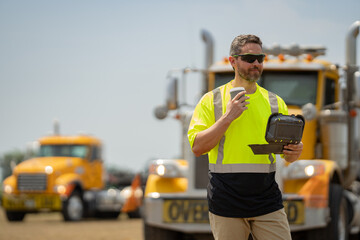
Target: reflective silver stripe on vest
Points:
(273, 102)
(218, 113)
(219, 167)
(274, 109)
(242, 167)
(217, 104)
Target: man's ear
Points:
(232, 61)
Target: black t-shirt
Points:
(243, 195)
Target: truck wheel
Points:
(13, 216)
(337, 228)
(155, 233)
(73, 207)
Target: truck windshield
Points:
(294, 87)
(79, 151)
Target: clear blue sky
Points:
(100, 67)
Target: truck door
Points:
(96, 167)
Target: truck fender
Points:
(316, 189)
(66, 184)
(335, 173)
(11, 181)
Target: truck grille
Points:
(32, 182)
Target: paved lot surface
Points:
(50, 226)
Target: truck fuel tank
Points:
(334, 136)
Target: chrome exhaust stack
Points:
(351, 104)
(209, 56)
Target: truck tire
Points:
(14, 216)
(73, 207)
(337, 228)
(155, 233)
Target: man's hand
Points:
(236, 106)
(209, 138)
(292, 152)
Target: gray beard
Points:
(252, 80)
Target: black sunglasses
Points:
(250, 58)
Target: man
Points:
(243, 196)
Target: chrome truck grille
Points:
(32, 182)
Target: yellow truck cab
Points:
(66, 176)
(320, 191)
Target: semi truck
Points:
(67, 176)
(321, 191)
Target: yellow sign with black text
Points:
(186, 211)
(295, 211)
(31, 201)
(196, 211)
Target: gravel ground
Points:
(50, 226)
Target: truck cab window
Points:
(56, 150)
(95, 154)
(329, 91)
(294, 87)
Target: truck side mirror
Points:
(172, 94)
(161, 112)
(171, 99)
(309, 111)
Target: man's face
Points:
(248, 71)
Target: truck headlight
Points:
(49, 170)
(60, 189)
(8, 189)
(303, 169)
(128, 191)
(169, 168)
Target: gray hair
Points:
(239, 42)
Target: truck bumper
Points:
(107, 200)
(31, 202)
(191, 215)
(178, 214)
(305, 213)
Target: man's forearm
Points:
(209, 138)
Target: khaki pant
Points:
(272, 226)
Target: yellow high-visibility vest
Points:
(232, 154)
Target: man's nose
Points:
(256, 62)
